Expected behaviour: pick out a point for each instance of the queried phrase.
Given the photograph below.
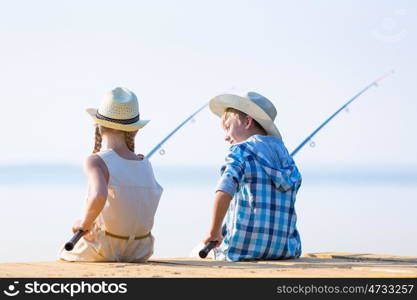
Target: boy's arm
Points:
(221, 204)
(227, 186)
(97, 192)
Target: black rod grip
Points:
(71, 243)
(207, 248)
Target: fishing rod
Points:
(344, 106)
(149, 155)
(372, 84)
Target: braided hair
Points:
(130, 140)
(99, 130)
(97, 140)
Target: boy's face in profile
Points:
(236, 130)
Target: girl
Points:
(123, 194)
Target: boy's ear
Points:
(248, 122)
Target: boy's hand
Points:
(218, 237)
(221, 204)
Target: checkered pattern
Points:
(261, 220)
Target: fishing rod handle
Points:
(207, 248)
(75, 238)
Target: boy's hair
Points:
(129, 138)
(232, 112)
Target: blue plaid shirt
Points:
(261, 221)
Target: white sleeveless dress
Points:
(133, 197)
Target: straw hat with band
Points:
(253, 104)
(119, 110)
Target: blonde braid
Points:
(130, 140)
(97, 142)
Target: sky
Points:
(308, 57)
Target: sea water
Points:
(355, 211)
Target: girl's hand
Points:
(78, 225)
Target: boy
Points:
(258, 185)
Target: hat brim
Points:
(219, 104)
(123, 127)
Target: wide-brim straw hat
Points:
(119, 110)
(253, 104)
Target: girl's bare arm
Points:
(97, 175)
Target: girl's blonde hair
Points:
(235, 113)
(129, 138)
